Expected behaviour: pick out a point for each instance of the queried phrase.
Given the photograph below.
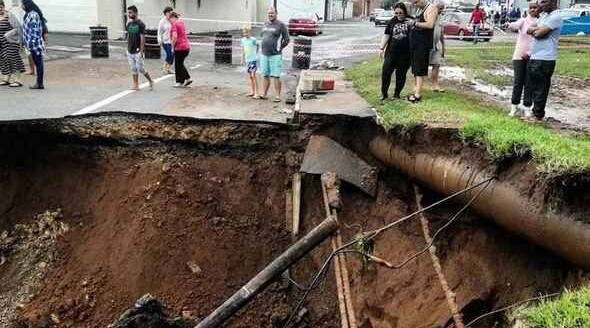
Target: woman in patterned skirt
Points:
(11, 64)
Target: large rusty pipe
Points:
(501, 201)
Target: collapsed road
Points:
(191, 210)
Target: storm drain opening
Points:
(132, 221)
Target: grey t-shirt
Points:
(275, 37)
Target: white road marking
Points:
(113, 98)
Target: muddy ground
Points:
(189, 211)
(567, 106)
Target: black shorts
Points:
(420, 62)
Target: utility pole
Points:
(124, 3)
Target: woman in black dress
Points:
(421, 43)
(396, 46)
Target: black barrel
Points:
(223, 48)
(152, 48)
(99, 42)
(302, 53)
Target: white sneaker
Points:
(514, 110)
(187, 83)
(528, 111)
(178, 85)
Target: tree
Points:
(344, 6)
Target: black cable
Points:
(374, 233)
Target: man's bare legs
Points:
(265, 86)
(135, 85)
(278, 84)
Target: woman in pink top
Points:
(520, 59)
(182, 48)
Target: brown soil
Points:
(189, 211)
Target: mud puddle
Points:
(567, 104)
(188, 211)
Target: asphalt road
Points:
(77, 84)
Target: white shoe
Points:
(178, 85)
(528, 111)
(187, 83)
(514, 110)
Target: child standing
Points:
(250, 59)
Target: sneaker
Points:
(514, 110)
(187, 83)
(528, 111)
(36, 87)
(178, 85)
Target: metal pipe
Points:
(268, 274)
(502, 202)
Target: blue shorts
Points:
(271, 65)
(252, 66)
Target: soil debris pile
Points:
(26, 253)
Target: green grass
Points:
(486, 124)
(570, 310)
(572, 61)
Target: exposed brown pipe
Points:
(501, 201)
(270, 273)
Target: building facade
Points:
(76, 16)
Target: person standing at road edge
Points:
(439, 47)
(520, 60)
(33, 27)
(165, 40)
(275, 37)
(250, 59)
(136, 47)
(543, 55)
(395, 50)
(11, 64)
(182, 48)
(421, 41)
(476, 21)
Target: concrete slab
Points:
(342, 101)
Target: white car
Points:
(578, 10)
(573, 12)
(383, 18)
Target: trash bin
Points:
(301, 53)
(223, 48)
(152, 48)
(99, 42)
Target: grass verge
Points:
(570, 310)
(484, 123)
(573, 60)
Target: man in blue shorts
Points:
(275, 37)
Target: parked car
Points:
(383, 18)
(374, 13)
(306, 24)
(575, 11)
(457, 24)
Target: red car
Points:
(306, 24)
(457, 24)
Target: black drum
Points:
(152, 48)
(223, 48)
(99, 42)
(302, 53)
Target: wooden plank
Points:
(296, 203)
(289, 210)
